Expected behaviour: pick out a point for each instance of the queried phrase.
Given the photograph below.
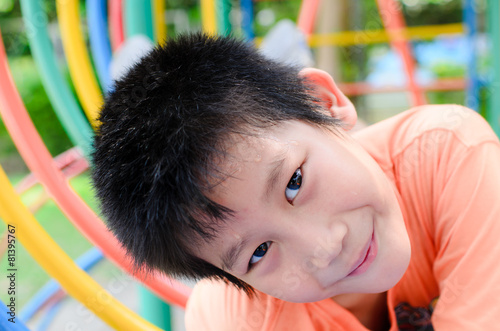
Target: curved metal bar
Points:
(39, 160)
(160, 27)
(307, 16)
(79, 64)
(85, 262)
(247, 19)
(115, 23)
(99, 41)
(208, 16)
(60, 266)
(65, 105)
(5, 324)
(393, 20)
(138, 18)
(493, 114)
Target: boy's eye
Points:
(259, 252)
(293, 187)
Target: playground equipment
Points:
(125, 19)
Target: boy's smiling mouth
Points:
(367, 256)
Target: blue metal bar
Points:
(86, 261)
(493, 113)
(247, 19)
(99, 40)
(49, 316)
(5, 324)
(472, 91)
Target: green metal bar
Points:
(138, 18)
(493, 112)
(223, 8)
(154, 309)
(64, 102)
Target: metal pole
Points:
(493, 113)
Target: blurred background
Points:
(386, 56)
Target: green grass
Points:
(30, 276)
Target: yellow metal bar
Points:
(160, 26)
(22, 226)
(208, 16)
(349, 38)
(364, 37)
(80, 67)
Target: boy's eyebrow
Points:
(232, 254)
(274, 175)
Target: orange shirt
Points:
(444, 162)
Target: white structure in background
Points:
(286, 43)
(131, 51)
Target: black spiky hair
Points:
(163, 132)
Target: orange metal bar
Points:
(362, 88)
(394, 22)
(307, 16)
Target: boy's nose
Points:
(318, 245)
(328, 246)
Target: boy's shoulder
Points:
(429, 123)
(466, 124)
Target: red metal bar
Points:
(115, 23)
(393, 20)
(362, 88)
(307, 16)
(39, 160)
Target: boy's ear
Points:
(334, 102)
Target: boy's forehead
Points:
(251, 150)
(259, 156)
(247, 156)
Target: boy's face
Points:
(315, 216)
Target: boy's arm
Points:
(467, 236)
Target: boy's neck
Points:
(369, 308)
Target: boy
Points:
(214, 162)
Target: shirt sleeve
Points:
(206, 309)
(467, 230)
(216, 306)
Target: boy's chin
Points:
(381, 280)
(389, 277)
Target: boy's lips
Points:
(366, 258)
